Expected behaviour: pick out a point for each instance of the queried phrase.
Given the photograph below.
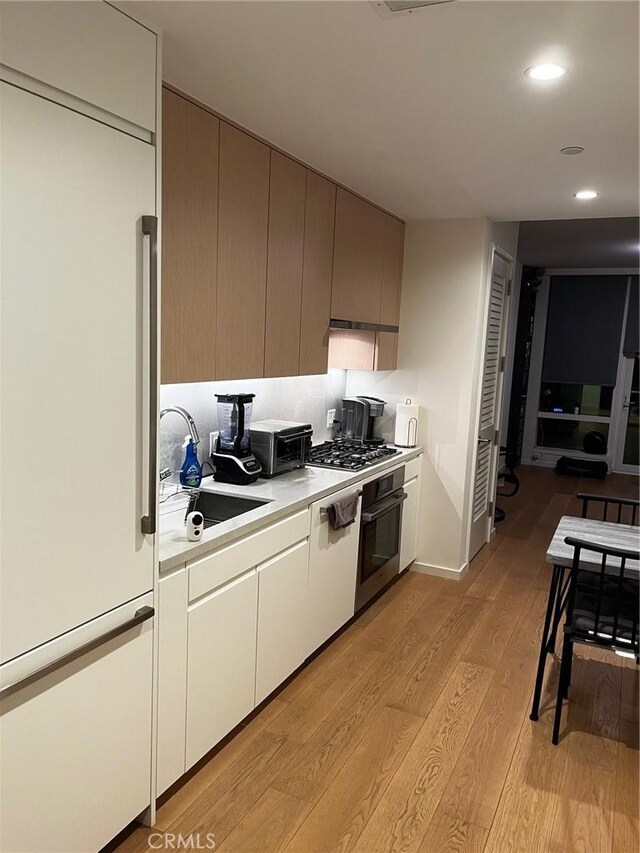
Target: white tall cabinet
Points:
(410, 513)
(78, 173)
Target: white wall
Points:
(505, 235)
(294, 398)
(442, 329)
(442, 306)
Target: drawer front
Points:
(75, 764)
(218, 568)
(412, 469)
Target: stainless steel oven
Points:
(380, 531)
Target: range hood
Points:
(335, 323)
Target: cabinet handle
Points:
(150, 230)
(141, 615)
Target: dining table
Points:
(561, 555)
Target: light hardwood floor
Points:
(410, 731)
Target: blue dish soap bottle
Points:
(191, 471)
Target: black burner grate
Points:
(348, 455)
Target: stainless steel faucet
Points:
(193, 429)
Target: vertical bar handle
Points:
(150, 230)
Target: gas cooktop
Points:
(348, 455)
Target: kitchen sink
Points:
(217, 507)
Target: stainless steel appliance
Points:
(348, 455)
(233, 459)
(280, 446)
(380, 530)
(358, 418)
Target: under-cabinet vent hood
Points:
(394, 8)
(356, 325)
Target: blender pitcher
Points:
(234, 421)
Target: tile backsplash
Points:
(294, 398)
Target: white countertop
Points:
(286, 494)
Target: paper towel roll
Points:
(407, 424)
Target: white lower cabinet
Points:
(172, 677)
(221, 663)
(75, 747)
(333, 567)
(282, 598)
(409, 536)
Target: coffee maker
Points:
(358, 418)
(232, 458)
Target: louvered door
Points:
(484, 482)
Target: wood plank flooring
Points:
(410, 732)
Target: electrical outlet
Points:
(212, 441)
(331, 416)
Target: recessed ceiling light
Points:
(572, 149)
(586, 195)
(546, 71)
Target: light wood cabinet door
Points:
(352, 349)
(243, 213)
(319, 224)
(189, 240)
(358, 259)
(386, 353)
(392, 271)
(284, 266)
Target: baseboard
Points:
(439, 571)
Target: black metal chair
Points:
(601, 610)
(624, 510)
(614, 509)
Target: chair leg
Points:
(542, 658)
(565, 665)
(569, 670)
(557, 614)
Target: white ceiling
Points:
(429, 114)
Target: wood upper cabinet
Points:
(316, 274)
(358, 259)
(243, 215)
(259, 253)
(391, 271)
(189, 240)
(284, 266)
(386, 351)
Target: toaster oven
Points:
(280, 446)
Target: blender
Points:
(232, 458)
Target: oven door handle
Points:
(384, 508)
